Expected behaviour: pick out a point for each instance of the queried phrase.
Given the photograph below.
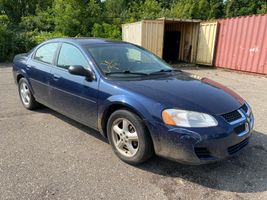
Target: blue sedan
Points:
(132, 97)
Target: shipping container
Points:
(242, 44)
(132, 32)
(206, 43)
(152, 36)
(146, 33)
(169, 38)
(187, 32)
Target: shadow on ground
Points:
(243, 173)
(78, 125)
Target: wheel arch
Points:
(19, 76)
(111, 109)
(120, 106)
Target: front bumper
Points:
(202, 145)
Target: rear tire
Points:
(26, 96)
(129, 137)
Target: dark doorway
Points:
(171, 46)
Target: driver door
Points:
(73, 95)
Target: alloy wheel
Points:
(125, 137)
(25, 93)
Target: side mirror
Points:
(81, 71)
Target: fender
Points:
(135, 105)
(125, 101)
(20, 68)
(23, 73)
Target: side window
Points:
(70, 55)
(46, 53)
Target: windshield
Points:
(126, 60)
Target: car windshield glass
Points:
(127, 60)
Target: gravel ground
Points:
(44, 155)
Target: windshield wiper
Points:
(127, 72)
(164, 71)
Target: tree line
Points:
(25, 23)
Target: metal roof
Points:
(169, 19)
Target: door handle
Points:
(56, 77)
(28, 67)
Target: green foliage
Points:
(75, 17)
(19, 43)
(216, 9)
(12, 43)
(42, 21)
(235, 8)
(90, 15)
(4, 37)
(115, 10)
(148, 9)
(4, 20)
(15, 9)
(134, 11)
(67, 16)
(25, 23)
(262, 9)
(39, 37)
(106, 31)
(166, 4)
(151, 9)
(197, 9)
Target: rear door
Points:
(39, 70)
(71, 94)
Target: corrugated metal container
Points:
(206, 43)
(151, 34)
(242, 44)
(132, 32)
(189, 37)
(146, 33)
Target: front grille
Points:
(237, 147)
(202, 153)
(232, 116)
(240, 129)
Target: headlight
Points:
(186, 118)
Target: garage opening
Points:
(171, 46)
(180, 40)
(174, 40)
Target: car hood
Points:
(186, 91)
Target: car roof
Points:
(86, 41)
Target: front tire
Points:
(26, 96)
(129, 137)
